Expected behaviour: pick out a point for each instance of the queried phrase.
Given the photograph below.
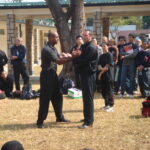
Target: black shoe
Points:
(63, 120)
(40, 125)
(85, 126)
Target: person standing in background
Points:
(121, 43)
(128, 54)
(105, 39)
(106, 76)
(143, 67)
(79, 42)
(139, 43)
(113, 49)
(18, 53)
(100, 52)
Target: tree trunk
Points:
(78, 18)
(75, 13)
(29, 30)
(61, 24)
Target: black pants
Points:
(7, 85)
(107, 90)
(144, 82)
(98, 83)
(88, 85)
(20, 70)
(49, 90)
(77, 78)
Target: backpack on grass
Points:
(146, 107)
(2, 95)
(27, 92)
(67, 84)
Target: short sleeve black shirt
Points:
(49, 55)
(104, 59)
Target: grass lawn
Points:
(123, 129)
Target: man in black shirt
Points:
(49, 85)
(18, 52)
(106, 76)
(87, 64)
(122, 42)
(143, 67)
(78, 44)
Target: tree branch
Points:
(61, 24)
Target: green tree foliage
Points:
(133, 20)
(146, 22)
(120, 21)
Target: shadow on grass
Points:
(74, 111)
(16, 127)
(136, 117)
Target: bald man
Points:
(18, 52)
(49, 85)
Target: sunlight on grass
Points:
(123, 129)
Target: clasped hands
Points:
(103, 70)
(140, 68)
(14, 57)
(75, 53)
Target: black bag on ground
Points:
(146, 107)
(2, 95)
(67, 84)
(27, 92)
(16, 94)
(36, 93)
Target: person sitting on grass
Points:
(12, 145)
(6, 83)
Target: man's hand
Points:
(99, 76)
(3, 75)
(140, 68)
(65, 56)
(14, 57)
(99, 67)
(122, 57)
(116, 62)
(76, 53)
(104, 69)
